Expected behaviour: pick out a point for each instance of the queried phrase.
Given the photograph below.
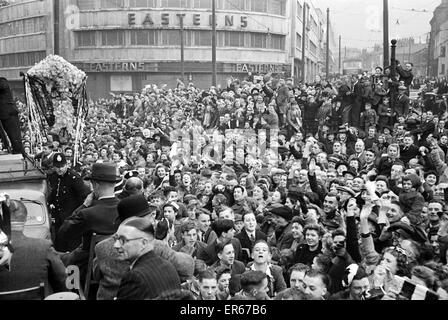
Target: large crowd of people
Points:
(262, 189)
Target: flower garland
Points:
(63, 81)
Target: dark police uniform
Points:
(67, 192)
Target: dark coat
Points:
(425, 129)
(276, 281)
(413, 203)
(210, 256)
(67, 193)
(209, 236)
(305, 256)
(34, 261)
(385, 166)
(407, 154)
(5, 219)
(337, 272)
(237, 269)
(247, 245)
(402, 107)
(149, 277)
(108, 269)
(7, 106)
(99, 218)
(406, 76)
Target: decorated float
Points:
(56, 97)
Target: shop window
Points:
(120, 83)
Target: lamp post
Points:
(385, 32)
(393, 74)
(214, 43)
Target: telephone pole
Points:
(393, 74)
(182, 49)
(327, 69)
(385, 33)
(340, 54)
(428, 67)
(214, 43)
(304, 43)
(56, 8)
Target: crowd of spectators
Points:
(323, 190)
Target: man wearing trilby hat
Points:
(96, 215)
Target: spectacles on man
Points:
(399, 249)
(123, 240)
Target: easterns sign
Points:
(144, 19)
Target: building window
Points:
(313, 48)
(314, 26)
(24, 26)
(442, 52)
(113, 38)
(277, 42)
(257, 40)
(298, 41)
(259, 5)
(24, 59)
(192, 38)
(121, 83)
(299, 10)
(170, 37)
(231, 39)
(85, 39)
(142, 3)
(86, 4)
(201, 39)
(174, 4)
(143, 37)
(443, 69)
(202, 4)
(277, 7)
(112, 4)
(231, 4)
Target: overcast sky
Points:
(360, 22)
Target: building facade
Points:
(439, 41)
(315, 33)
(26, 37)
(124, 45)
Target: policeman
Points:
(67, 191)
